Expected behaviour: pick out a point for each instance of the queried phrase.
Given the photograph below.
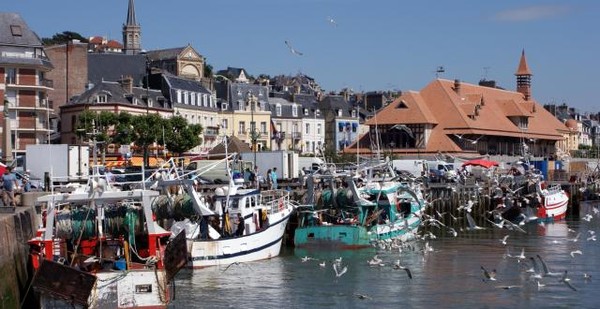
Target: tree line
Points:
(145, 130)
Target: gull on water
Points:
(322, 264)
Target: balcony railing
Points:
(47, 83)
(296, 135)
(211, 132)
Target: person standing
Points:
(268, 179)
(9, 185)
(274, 178)
(256, 178)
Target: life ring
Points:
(280, 204)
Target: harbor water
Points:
(446, 273)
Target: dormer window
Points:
(241, 106)
(204, 100)
(294, 111)
(306, 112)
(318, 113)
(101, 98)
(278, 110)
(150, 102)
(224, 106)
(193, 99)
(353, 113)
(339, 112)
(179, 99)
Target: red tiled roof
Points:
(114, 44)
(409, 108)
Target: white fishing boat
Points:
(101, 248)
(235, 224)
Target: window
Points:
(11, 75)
(319, 129)
(353, 113)
(317, 113)
(16, 30)
(241, 105)
(101, 98)
(199, 98)
(263, 127)
(294, 111)
(306, 112)
(339, 112)
(179, 100)
(242, 127)
(295, 128)
(193, 99)
(307, 128)
(252, 126)
(224, 106)
(205, 100)
(278, 110)
(224, 123)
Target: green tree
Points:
(146, 130)
(181, 136)
(105, 125)
(124, 129)
(63, 38)
(208, 70)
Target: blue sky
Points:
(373, 45)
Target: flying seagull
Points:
(339, 273)
(567, 281)
(331, 21)
(488, 275)
(292, 50)
(398, 266)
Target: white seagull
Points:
(490, 275)
(503, 240)
(339, 273)
(331, 21)
(575, 252)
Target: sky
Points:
(364, 45)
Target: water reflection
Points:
(448, 277)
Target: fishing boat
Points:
(102, 248)
(526, 197)
(235, 224)
(360, 213)
(553, 204)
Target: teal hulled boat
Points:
(360, 215)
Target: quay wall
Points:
(16, 228)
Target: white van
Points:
(417, 168)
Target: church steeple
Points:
(524, 77)
(131, 32)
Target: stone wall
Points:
(15, 230)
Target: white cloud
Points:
(531, 13)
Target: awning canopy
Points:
(480, 162)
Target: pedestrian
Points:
(268, 178)
(274, 178)
(256, 178)
(9, 185)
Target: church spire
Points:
(132, 32)
(131, 15)
(524, 77)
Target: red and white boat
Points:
(553, 205)
(102, 248)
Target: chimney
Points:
(457, 86)
(127, 84)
